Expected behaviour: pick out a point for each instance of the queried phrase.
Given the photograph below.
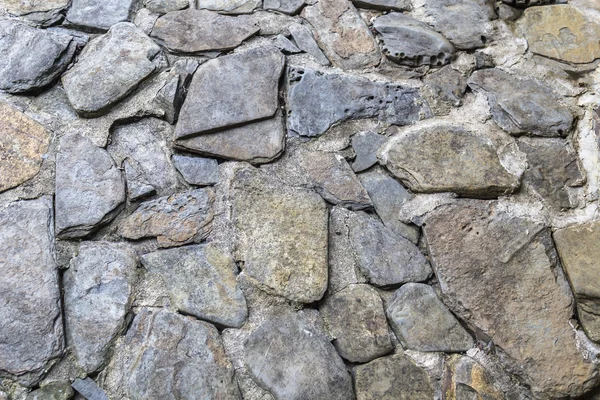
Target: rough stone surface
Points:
(171, 95)
(89, 389)
(447, 84)
(306, 42)
(285, 45)
(165, 6)
(138, 186)
(98, 15)
(384, 5)
(39, 12)
(285, 6)
(465, 378)
(52, 391)
(366, 145)
(229, 6)
(197, 170)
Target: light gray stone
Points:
(89, 389)
(171, 95)
(165, 6)
(366, 145)
(138, 186)
(197, 170)
(384, 5)
(98, 15)
(464, 377)
(290, 7)
(285, 45)
(229, 6)
(306, 42)
(39, 12)
(59, 390)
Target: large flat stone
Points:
(39, 12)
(98, 15)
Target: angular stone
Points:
(356, 320)
(89, 187)
(201, 280)
(366, 145)
(283, 235)
(39, 12)
(170, 97)
(110, 67)
(165, 6)
(384, 5)
(447, 158)
(306, 42)
(138, 186)
(522, 105)
(194, 31)
(407, 41)
(31, 330)
(185, 355)
(292, 359)
(493, 268)
(316, 101)
(342, 34)
(229, 6)
(447, 84)
(32, 58)
(197, 170)
(89, 389)
(174, 220)
(98, 15)
(58, 390)
(99, 290)
(531, 3)
(290, 7)
(232, 90)
(465, 378)
(23, 143)
(285, 45)
(392, 378)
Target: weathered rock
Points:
(171, 95)
(31, 58)
(306, 42)
(174, 220)
(283, 236)
(194, 31)
(89, 187)
(392, 378)
(58, 390)
(99, 290)
(185, 355)
(285, 45)
(493, 268)
(290, 7)
(229, 6)
(138, 186)
(201, 280)
(465, 378)
(292, 359)
(317, 101)
(23, 143)
(447, 157)
(165, 6)
(89, 389)
(110, 67)
(522, 105)
(342, 34)
(366, 145)
(39, 12)
(408, 41)
(31, 331)
(356, 320)
(384, 5)
(197, 170)
(531, 3)
(98, 15)
(232, 90)
(447, 85)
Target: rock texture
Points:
(366, 145)
(197, 170)
(465, 377)
(98, 16)
(306, 42)
(229, 6)
(165, 6)
(39, 12)
(384, 5)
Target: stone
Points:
(201, 280)
(98, 16)
(306, 42)
(366, 145)
(193, 31)
(384, 5)
(356, 320)
(110, 67)
(553, 168)
(32, 58)
(229, 6)
(493, 267)
(560, 32)
(58, 390)
(31, 329)
(407, 41)
(40, 12)
(171, 95)
(23, 143)
(175, 220)
(290, 7)
(465, 378)
(138, 186)
(447, 84)
(290, 358)
(578, 251)
(530, 3)
(522, 105)
(392, 378)
(89, 187)
(242, 87)
(89, 389)
(283, 235)
(285, 45)
(316, 101)
(423, 323)
(99, 291)
(197, 170)
(166, 6)
(447, 157)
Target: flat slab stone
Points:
(98, 15)
(447, 85)
(290, 7)
(366, 145)
(165, 6)
(39, 12)
(306, 42)
(31, 329)
(89, 389)
(384, 5)
(229, 6)
(197, 170)
(58, 390)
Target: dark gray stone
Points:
(384, 5)
(531, 3)
(447, 84)
(229, 6)
(59, 390)
(165, 6)
(465, 378)
(285, 45)
(290, 7)
(366, 145)
(197, 170)
(306, 42)
(98, 15)
(89, 389)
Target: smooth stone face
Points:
(290, 7)
(447, 84)
(23, 143)
(110, 67)
(170, 97)
(522, 105)
(59, 390)
(492, 267)
(31, 58)
(447, 158)
(197, 170)
(89, 187)
(31, 329)
(407, 41)
(316, 101)
(392, 378)
(174, 220)
(306, 42)
(99, 290)
(98, 15)
(465, 378)
(229, 6)
(201, 280)
(40, 12)
(232, 90)
(194, 31)
(283, 236)
(384, 5)
(356, 320)
(290, 358)
(366, 145)
(165, 6)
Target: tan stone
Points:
(466, 378)
(21, 7)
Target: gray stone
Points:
(306, 42)
(356, 320)
(31, 58)
(197, 170)
(165, 6)
(316, 101)
(89, 187)
(290, 7)
(290, 358)
(174, 220)
(193, 31)
(201, 280)
(138, 186)
(98, 15)
(232, 90)
(406, 41)
(522, 105)
(171, 95)
(530, 3)
(59, 390)
(465, 378)
(110, 67)
(38, 12)
(285, 45)
(99, 290)
(89, 389)
(384, 5)
(31, 329)
(366, 145)
(229, 6)
(447, 85)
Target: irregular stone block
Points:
(229, 6)
(89, 389)
(39, 12)
(285, 45)
(384, 5)
(306, 42)
(98, 15)
(530, 3)
(197, 170)
(165, 6)
(290, 7)
(366, 145)
(137, 182)
(447, 85)
(59, 390)
(465, 377)
(171, 95)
